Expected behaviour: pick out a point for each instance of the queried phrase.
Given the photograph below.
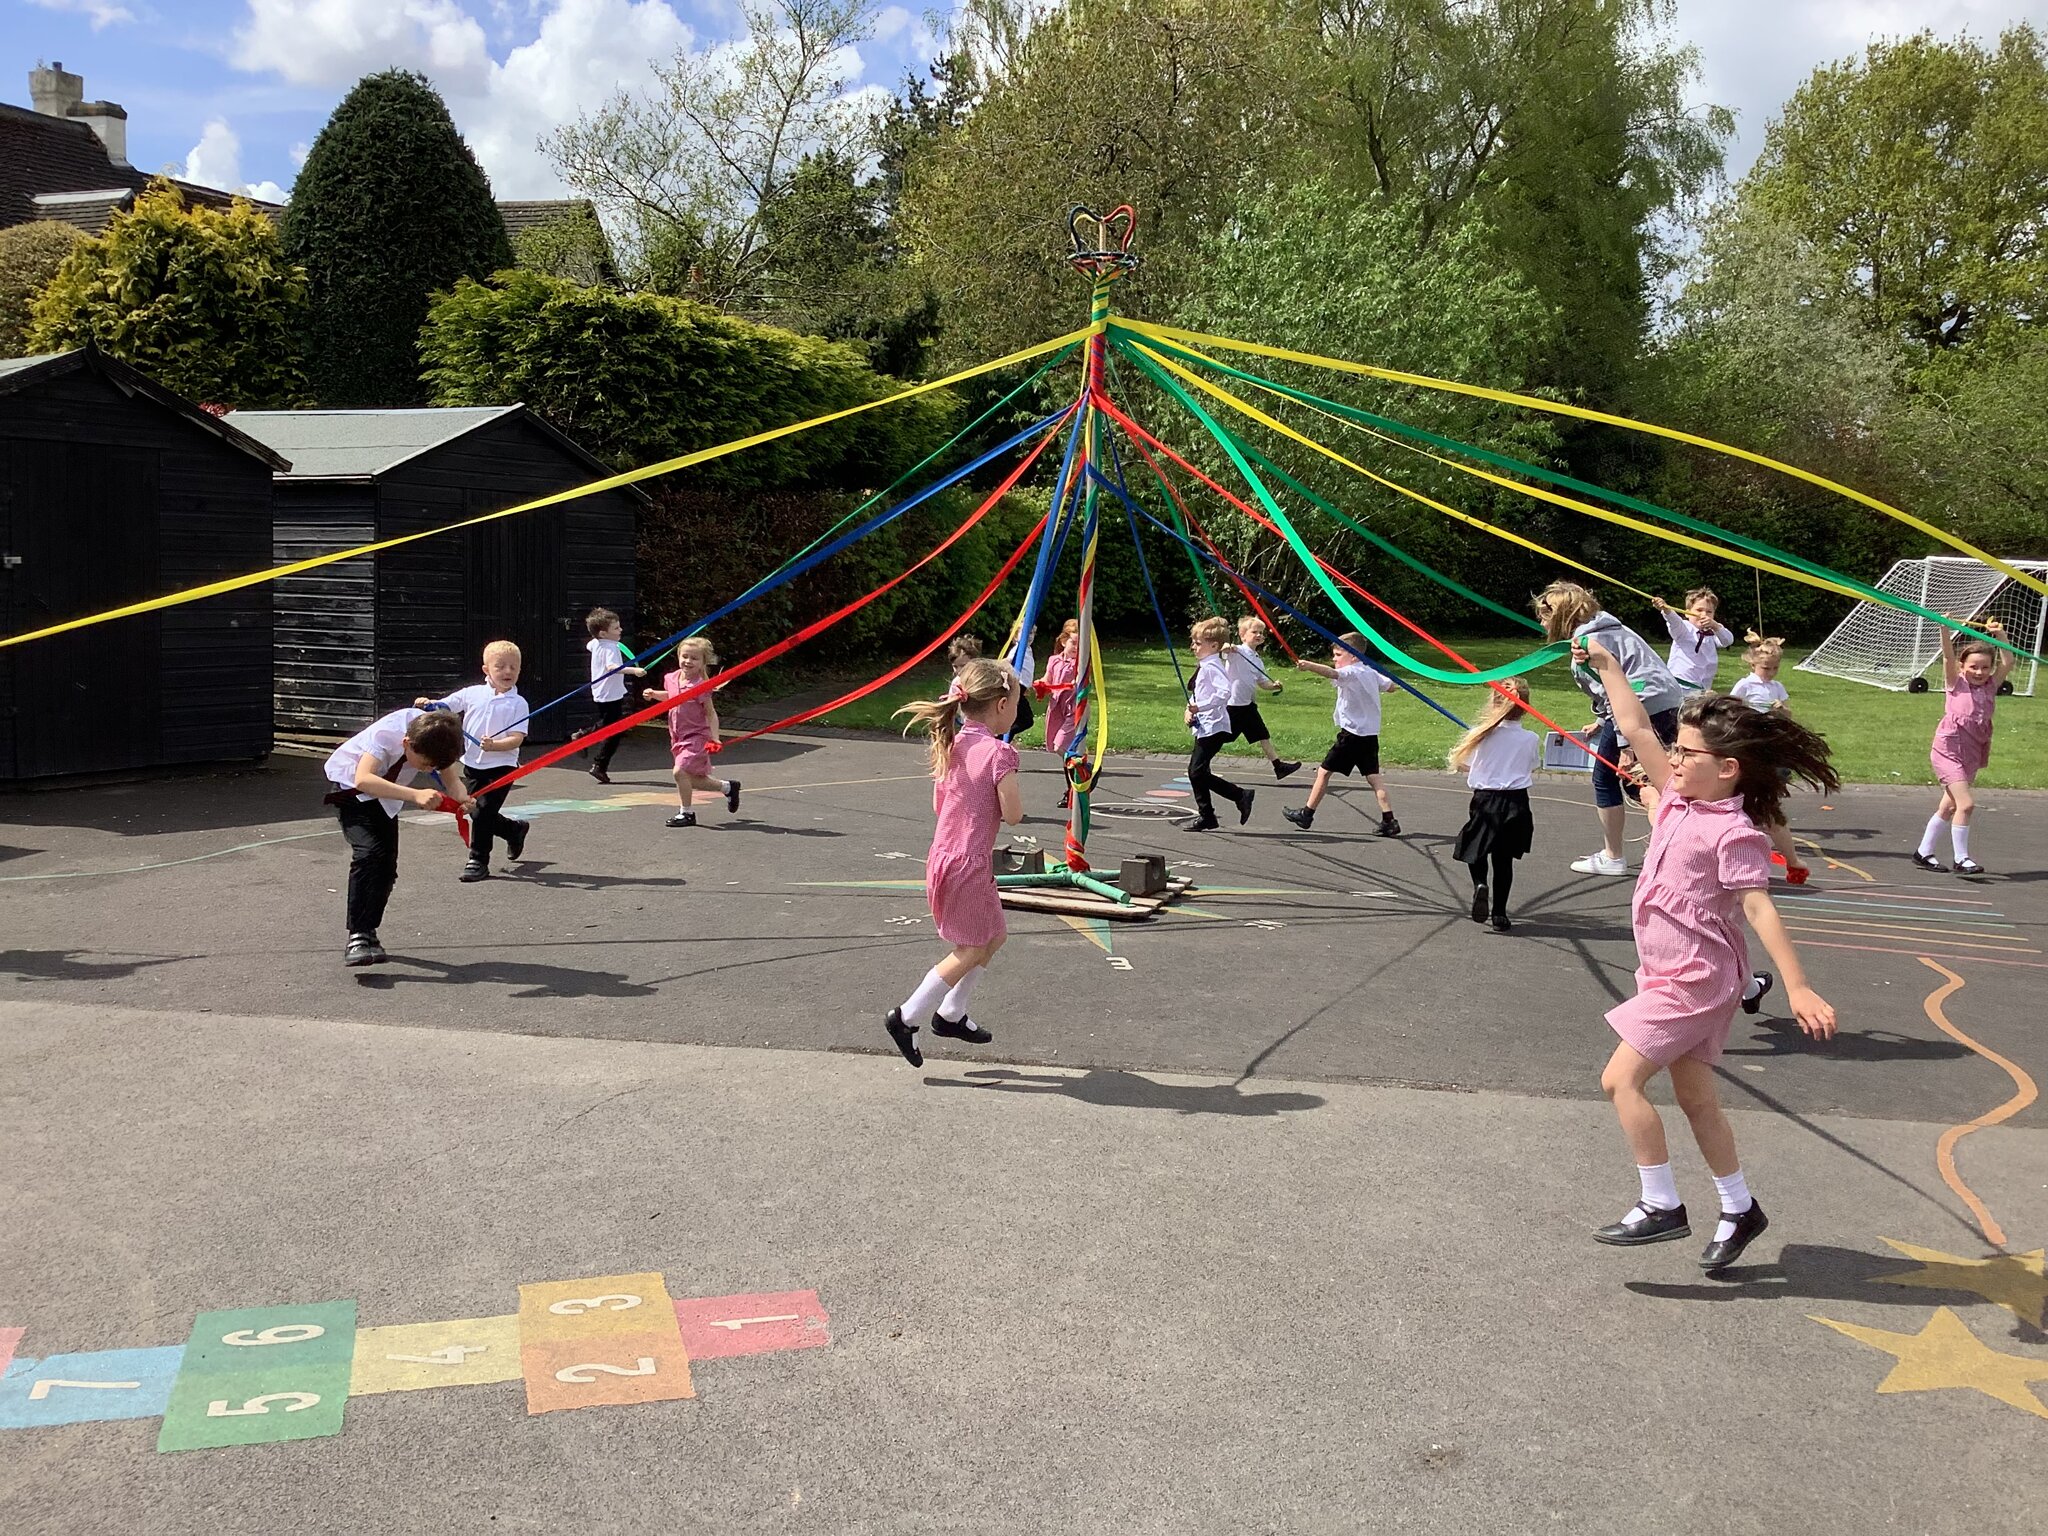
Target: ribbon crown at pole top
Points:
(1102, 241)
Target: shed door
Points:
(83, 521)
(516, 593)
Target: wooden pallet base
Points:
(1070, 902)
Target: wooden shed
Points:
(364, 636)
(113, 489)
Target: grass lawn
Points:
(1878, 737)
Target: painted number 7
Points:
(573, 1374)
(42, 1388)
(293, 1402)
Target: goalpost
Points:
(1890, 649)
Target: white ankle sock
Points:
(1959, 835)
(1660, 1191)
(1931, 838)
(919, 1005)
(955, 1005)
(1735, 1199)
(1755, 988)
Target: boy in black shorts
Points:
(1357, 748)
(1247, 680)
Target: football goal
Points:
(1888, 648)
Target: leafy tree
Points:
(1919, 175)
(201, 300)
(30, 255)
(389, 208)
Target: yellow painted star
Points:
(1946, 1354)
(2017, 1282)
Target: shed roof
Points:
(20, 373)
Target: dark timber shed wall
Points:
(111, 492)
(366, 636)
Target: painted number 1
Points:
(293, 1402)
(573, 1374)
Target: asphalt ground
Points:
(1337, 1278)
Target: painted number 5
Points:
(293, 1402)
(283, 1333)
(576, 1306)
(574, 1374)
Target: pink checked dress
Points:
(689, 728)
(959, 873)
(1962, 742)
(1692, 963)
(1059, 709)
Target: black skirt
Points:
(1499, 823)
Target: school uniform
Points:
(486, 713)
(1695, 654)
(1245, 676)
(1759, 695)
(1210, 698)
(1498, 827)
(1650, 679)
(370, 824)
(1357, 747)
(608, 692)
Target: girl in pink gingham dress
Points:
(1708, 868)
(976, 791)
(1972, 673)
(693, 729)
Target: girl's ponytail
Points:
(981, 682)
(1499, 712)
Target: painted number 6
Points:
(573, 1374)
(293, 1402)
(283, 1333)
(576, 1306)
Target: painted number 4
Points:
(574, 1374)
(454, 1354)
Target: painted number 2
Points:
(576, 1306)
(283, 1333)
(574, 1374)
(293, 1402)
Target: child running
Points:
(1247, 680)
(974, 792)
(1357, 747)
(1498, 757)
(370, 777)
(1707, 866)
(692, 728)
(1972, 673)
(1570, 612)
(1761, 691)
(1697, 638)
(1060, 675)
(1208, 715)
(608, 674)
(493, 717)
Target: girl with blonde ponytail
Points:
(1499, 757)
(975, 791)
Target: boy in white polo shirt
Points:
(1247, 678)
(370, 777)
(1208, 716)
(493, 717)
(1357, 747)
(608, 674)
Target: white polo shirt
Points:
(1211, 696)
(1245, 674)
(1758, 694)
(606, 656)
(1358, 698)
(486, 714)
(1506, 759)
(383, 743)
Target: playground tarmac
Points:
(1338, 1278)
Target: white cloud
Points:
(267, 192)
(216, 160)
(102, 13)
(299, 151)
(335, 42)
(889, 21)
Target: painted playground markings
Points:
(1913, 922)
(1946, 1354)
(254, 1375)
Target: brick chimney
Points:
(56, 92)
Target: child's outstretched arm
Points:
(1951, 669)
(2002, 668)
(1815, 1014)
(1630, 718)
(1316, 667)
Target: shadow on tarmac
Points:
(58, 965)
(1784, 1038)
(537, 980)
(1820, 1272)
(1128, 1090)
(543, 872)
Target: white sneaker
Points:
(1599, 864)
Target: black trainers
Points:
(1755, 1004)
(732, 795)
(1723, 1252)
(1302, 816)
(363, 949)
(1244, 806)
(905, 1036)
(1207, 824)
(1388, 826)
(959, 1029)
(1482, 903)
(1285, 767)
(474, 871)
(1925, 861)
(1655, 1227)
(683, 819)
(515, 838)
(599, 774)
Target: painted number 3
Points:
(574, 1374)
(283, 1333)
(576, 1306)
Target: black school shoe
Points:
(363, 949)
(1284, 767)
(1207, 824)
(732, 796)
(683, 819)
(905, 1036)
(1748, 1224)
(1303, 817)
(1502, 923)
(1658, 1227)
(1388, 826)
(1969, 867)
(515, 838)
(1756, 1004)
(1924, 861)
(473, 871)
(1482, 903)
(1244, 806)
(960, 1029)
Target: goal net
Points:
(1888, 648)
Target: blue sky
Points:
(231, 91)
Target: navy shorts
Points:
(1353, 754)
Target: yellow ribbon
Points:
(610, 483)
(1583, 413)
